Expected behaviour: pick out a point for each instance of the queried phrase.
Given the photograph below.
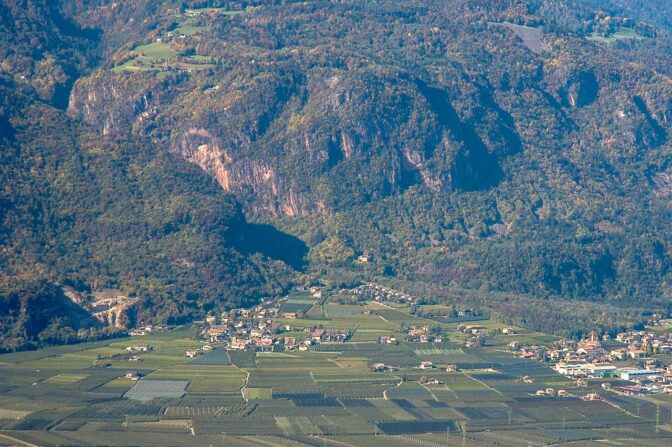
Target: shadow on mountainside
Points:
(273, 243)
(475, 168)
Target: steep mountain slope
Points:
(516, 145)
(81, 211)
(519, 146)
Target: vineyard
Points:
(329, 395)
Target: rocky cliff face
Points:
(199, 146)
(118, 106)
(273, 141)
(294, 132)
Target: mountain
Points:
(512, 146)
(85, 213)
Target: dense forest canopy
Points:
(518, 146)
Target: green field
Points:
(160, 56)
(329, 395)
(619, 34)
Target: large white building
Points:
(586, 369)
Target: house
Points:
(590, 351)
(317, 334)
(265, 343)
(238, 344)
(381, 367)
(416, 332)
(591, 347)
(475, 341)
(207, 348)
(474, 329)
(451, 368)
(624, 337)
(426, 365)
(527, 379)
(139, 348)
(434, 381)
(527, 355)
(216, 333)
(191, 353)
(651, 363)
(631, 390)
(289, 315)
(132, 375)
(509, 331)
(363, 258)
(619, 354)
(336, 335)
(290, 342)
(555, 354)
(134, 359)
(387, 340)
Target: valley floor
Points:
(398, 379)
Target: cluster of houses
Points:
(148, 329)
(626, 357)
(422, 334)
(476, 334)
(643, 343)
(382, 367)
(136, 349)
(242, 329)
(195, 352)
(378, 293)
(640, 345)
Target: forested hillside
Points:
(81, 211)
(517, 146)
(520, 146)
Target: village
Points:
(241, 329)
(630, 359)
(633, 356)
(258, 328)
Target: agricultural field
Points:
(619, 34)
(167, 53)
(329, 395)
